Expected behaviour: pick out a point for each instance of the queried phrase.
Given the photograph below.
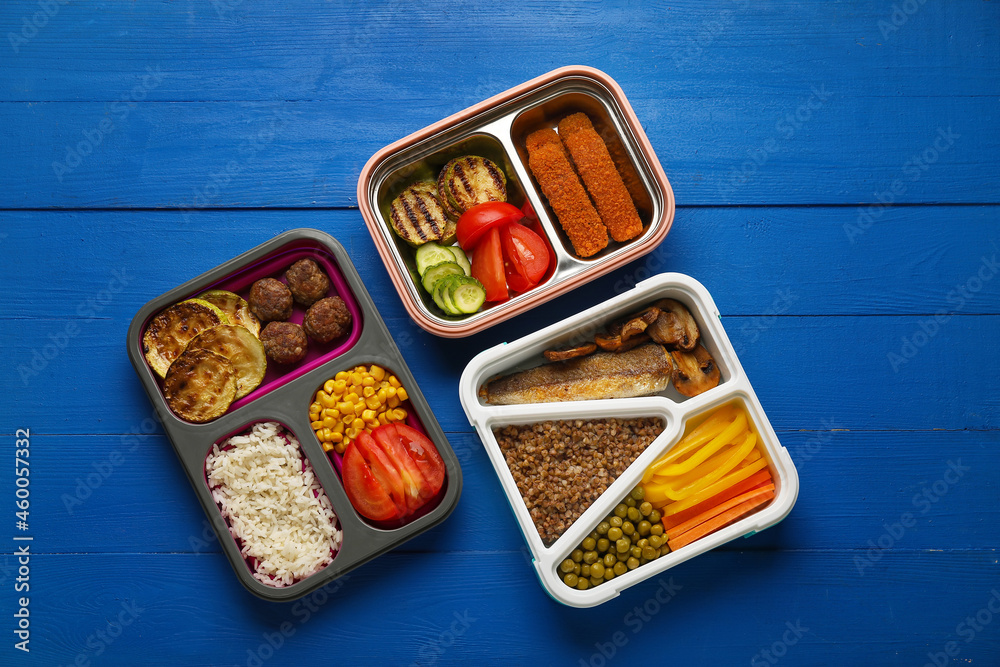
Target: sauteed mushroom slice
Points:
(616, 344)
(695, 371)
(570, 353)
(675, 326)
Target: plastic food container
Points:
(496, 129)
(677, 412)
(284, 396)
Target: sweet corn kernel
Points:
(339, 386)
(390, 392)
(382, 418)
(352, 397)
(373, 403)
(377, 372)
(348, 417)
(342, 375)
(341, 447)
(351, 433)
(401, 394)
(328, 402)
(345, 407)
(359, 407)
(358, 424)
(393, 401)
(333, 413)
(329, 422)
(339, 428)
(336, 437)
(315, 406)
(369, 415)
(381, 395)
(356, 377)
(327, 446)
(399, 414)
(394, 381)
(368, 392)
(317, 425)
(328, 386)
(368, 381)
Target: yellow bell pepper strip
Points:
(727, 436)
(704, 432)
(704, 475)
(729, 480)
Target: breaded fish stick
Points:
(551, 168)
(597, 171)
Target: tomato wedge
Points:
(392, 472)
(526, 251)
(481, 218)
(487, 265)
(365, 492)
(426, 456)
(515, 280)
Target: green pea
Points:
(638, 493)
(655, 516)
(589, 557)
(589, 543)
(616, 522)
(655, 541)
(602, 528)
(603, 544)
(582, 585)
(615, 533)
(633, 513)
(620, 568)
(632, 563)
(609, 574)
(609, 560)
(630, 501)
(644, 527)
(656, 529)
(571, 579)
(621, 510)
(628, 528)
(643, 542)
(636, 551)
(623, 545)
(597, 570)
(567, 565)
(646, 509)
(649, 553)
(577, 555)
(596, 581)
(585, 570)
(576, 568)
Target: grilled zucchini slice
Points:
(169, 332)
(235, 307)
(200, 385)
(244, 351)
(417, 217)
(470, 180)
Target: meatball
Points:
(327, 319)
(270, 300)
(307, 282)
(284, 342)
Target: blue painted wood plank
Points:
(720, 151)
(785, 261)
(107, 494)
(424, 609)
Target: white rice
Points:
(274, 504)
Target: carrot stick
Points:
(720, 521)
(720, 509)
(710, 471)
(755, 480)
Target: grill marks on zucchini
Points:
(470, 180)
(417, 216)
(169, 332)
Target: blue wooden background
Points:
(836, 172)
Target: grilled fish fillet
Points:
(640, 371)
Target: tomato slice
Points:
(526, 251)
(426, 456)
(364, 491)
(487, 265)
(529, 211)
(481, 218)
(383, 468)
(414, 486)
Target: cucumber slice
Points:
(461, 258)
(439, 296)
(430, 254)
(466, 293)
(439, 271)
